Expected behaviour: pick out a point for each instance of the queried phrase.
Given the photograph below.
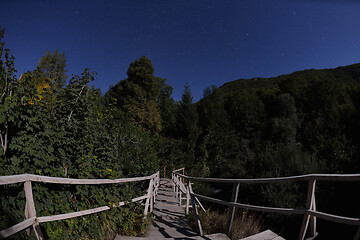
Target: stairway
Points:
(169, 219)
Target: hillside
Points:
(300, 123)
(350, 73)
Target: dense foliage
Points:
(59, 129)
(55, 125)
(305, 122)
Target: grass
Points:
(245, 223)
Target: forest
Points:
(57, 125)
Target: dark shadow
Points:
(180, 229)
(173, 213)
(169, 202)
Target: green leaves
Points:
(141, 96)
(68, 132)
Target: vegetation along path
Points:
(169, 218)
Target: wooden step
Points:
(265, 235)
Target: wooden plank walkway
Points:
(265, 235)
(169, 219)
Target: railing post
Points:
(156, 185)
(27, 216)
(187, 197)
(234, 196)
(151, 201)
(310, 205)
(30, 209)
(183, 174)
(149, 198)
(173, 180)
(313, 232)
(357, 235)
(176, 186)
(197, 219)
(153, 189)
(180, 193)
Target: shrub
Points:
(245, 223)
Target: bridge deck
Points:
(169, 218)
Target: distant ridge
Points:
(350, 73)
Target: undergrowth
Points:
(245, 223)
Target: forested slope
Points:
(304, 122)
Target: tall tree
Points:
(50, 71)
(139, 95)
(167, 107)
(8, 83)
(187, 116)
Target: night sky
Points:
(199, 42)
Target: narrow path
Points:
(169, 218)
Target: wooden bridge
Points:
(164, 199)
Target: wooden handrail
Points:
(325, 216)
(322, 177)
(17, 228)
(57, 180)
(30, 213)
(177, 170)
(310, 213)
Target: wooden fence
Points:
(182, 185)
(30, 212)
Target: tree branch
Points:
(77, 99)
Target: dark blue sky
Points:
(199, 42)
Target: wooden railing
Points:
(310, 213)
(30, 212)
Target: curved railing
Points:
(30, 212)
(310, 213)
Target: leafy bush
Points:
(57, 130)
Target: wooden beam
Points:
(197, 219)
(30, 209)
(322, 177)
(149, 194)
(357, 235)
(201, 206)
(86, 212)
(234, 198)
(335, 218)
(309, 204)
(17, 228)
(14, 179)
(177, 170)
(187, 198)
(325, 216)
(313, 232)
(72, 215)
(251, 207)
(38, 178)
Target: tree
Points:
(138, 95)
(7, 86)
(141, 73)
(246, 113)
(209, 90)
(50, 71)
(187, 117)
(285, 124)
(167, 107)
